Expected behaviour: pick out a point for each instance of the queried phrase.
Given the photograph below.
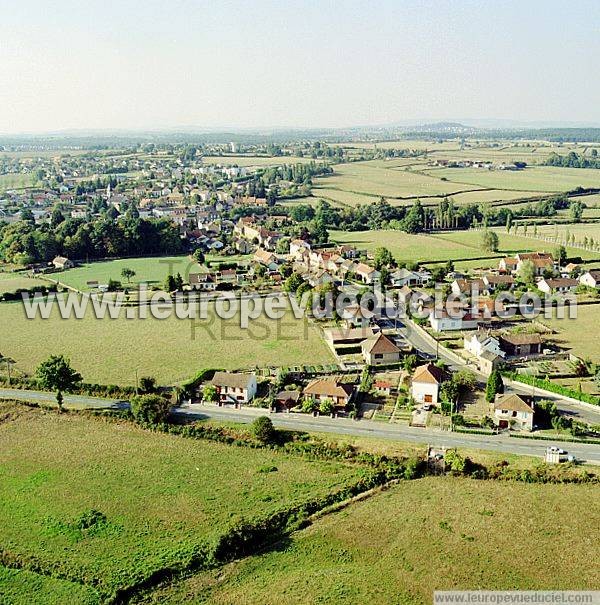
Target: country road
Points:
(338, 426)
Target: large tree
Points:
(56, 374)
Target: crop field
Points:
(537, 178)
(580, 334)
(344, 198)
(109, 351)
(10, 282)
(400, 545)
(107, 504)
(372, 178)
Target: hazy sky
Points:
(169, 63)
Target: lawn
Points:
(110, 351)
(535, 178)
(400, 545)
(161, 498)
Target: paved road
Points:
(339, 426)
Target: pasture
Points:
(107, 504)
(109, 351)
(400, 545)
(10, 282)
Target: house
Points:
(242, 246)
(367, 274)
(286, 400)
(266, 258)
(488, 361)
(467, 287)
(441, 321)
(543, 262)
(330, 388)
(234, 387)
(61, 262)
(348, 336)
(508, 264)
(383, 386)
(356, 316)
(569, 270)
(202, 281)
(493, 282)
(591, 279)
(405, 277)
(298, 247)
(512, 411)
(521, 345)
(478, 342)
(380, 350)
(425, 384)
(557, 285)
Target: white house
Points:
(513, 412)
(590, 278)
(441, 321)
(405, 277)
(478, 342)
(425, 385)
(380, 350)
(559, 285)
(298, 247)
(234, 388)
(367, 274)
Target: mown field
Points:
(160, 499)
(400, 545)
(533, 178)
(110, 351)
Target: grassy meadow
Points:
(400, 545)
(10, 282)
(109, 351)
(16, 181)
(162, 499)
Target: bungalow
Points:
(202, 281)
(380, 350)
(512, 411)
(559, 285)
(348, 336)
(441, 321)
(477, 343)
(61, 262)
(383, 386)
(492, 282)
(234, 387)
(591, 279)
(330, 388)
(569, 270)
(356, 316)
(405, 277)
(367, 274)
(467, 287)
(542, 261)
(425, 384)
(521, 345)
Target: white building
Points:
(425, 385)
(512, 412)
(234, 388)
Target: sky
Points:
(260, 64)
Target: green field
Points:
(258, 161)
(10, 282)
(536, 178)
(164, 498)
(579, 334)
(110, 351)
(400, 545)
(19, 587)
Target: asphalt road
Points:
(339, 426)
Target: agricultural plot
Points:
(107, 505)
(343, 198)
(434, 533)
(371, 178)
(16, 181)
(536, 178)
(110, 351)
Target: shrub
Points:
(150, 408)
(263, 429)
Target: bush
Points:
(150, 408)
(263, 429)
